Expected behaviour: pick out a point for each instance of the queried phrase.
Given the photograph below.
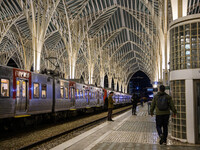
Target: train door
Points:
(197, 109)
(21, 95)
(72, 95)
(72, 90)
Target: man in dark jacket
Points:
(162, 112)
(134, 101)
(110, 106)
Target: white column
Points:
(120, 84)
(184, 7)
(115, 84)
(190, 121)
(176, 8)
(125, 88)
(109, 81)
(101, 78)
(174, 4)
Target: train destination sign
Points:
(22, 74)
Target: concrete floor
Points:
(127, 132)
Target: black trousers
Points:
(162, 121)
(134, 109)
(110, 113)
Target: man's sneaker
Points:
(165, 142)
(161, 139)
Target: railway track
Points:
(94, 122)
(35, 144)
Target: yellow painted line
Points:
(72, 109)
(88, 107)
(22, 116)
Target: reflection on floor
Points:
(139, 132)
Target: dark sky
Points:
(139, 81)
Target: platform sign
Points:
(150, 89)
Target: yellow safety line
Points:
(21, 116)
(72, 109)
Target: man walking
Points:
(110, 106)
(134, 101)
(163, 104)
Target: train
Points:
(24, 93)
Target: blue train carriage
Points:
(81, 95)
(92, 96)
(116, 97)
(96, 96)
(120, 98)
(40, 93)
(124, 97)
(24, 93)
(7, 100)
(62, 95)
(99, 96)
(129, 98)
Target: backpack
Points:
(106, 102)
(162, 103)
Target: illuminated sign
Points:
(22, 74)
(149, 89)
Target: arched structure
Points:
(138, 83)
(95, 37)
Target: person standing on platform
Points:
(134, 100)
(163, 104)
(110, 106)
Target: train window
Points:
(24, 89)
(81, 96)
(61, 92)
(44, 90)
(36, 90)
(5, 88)
(18, 91)
(77, 93)
(66, 91)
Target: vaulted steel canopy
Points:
(117, 37)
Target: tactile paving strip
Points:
(138, 126)
(122, 136)
(138, 129)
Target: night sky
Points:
(138, 83)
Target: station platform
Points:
(127, 132)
